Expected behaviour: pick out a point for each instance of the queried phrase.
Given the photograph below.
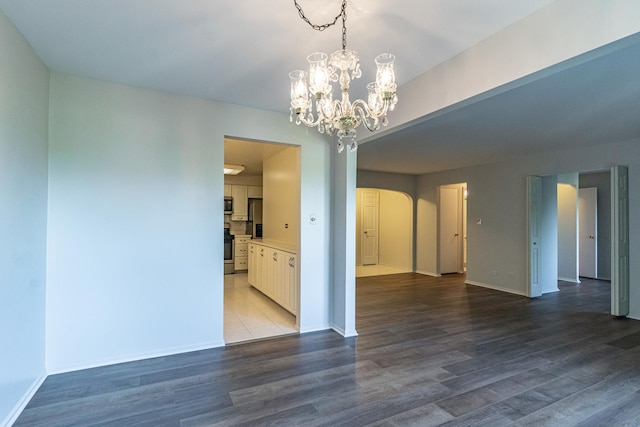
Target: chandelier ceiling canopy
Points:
(312, 100)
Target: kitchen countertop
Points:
(275, 245)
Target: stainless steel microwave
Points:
(228, 205)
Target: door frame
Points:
(619, 239)
(461, 218)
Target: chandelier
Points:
(341, 117)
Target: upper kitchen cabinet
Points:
(240, 203)
(227, 190)
(254, 192)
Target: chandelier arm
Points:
(311, 124)
(336, 106)
(371, 113)
(363, 114)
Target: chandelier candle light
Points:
(341, 117)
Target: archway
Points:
(385, 216)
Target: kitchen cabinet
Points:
(241, 195)
(227, 190)
(254, 192)
(289, 280)
(240, 203)
(241, 252)
(251, 262)
(261, 266)
(273, 276)
(273, 272)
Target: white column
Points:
(343, 296)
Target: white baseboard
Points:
(495, 288)
(23, 402)
(315, 329)
(399, 267)
(428, 273)
(344, 333)
(160, 353)
(572, 280)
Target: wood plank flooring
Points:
(430, 352)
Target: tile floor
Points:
(377, 270)
(249, 315)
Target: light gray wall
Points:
(497, 196)
(24, 99)
(492, 196)
(602, 181)
(135, 221)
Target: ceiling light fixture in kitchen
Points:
(233, 169)
(341, 117)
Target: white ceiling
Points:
(250, 154)
(240, 52)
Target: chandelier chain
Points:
(344, 24)
(312, 102)
(322, 27)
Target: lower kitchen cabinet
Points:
(290, 282)
(241, 252)
(273, 272)
(251, 263)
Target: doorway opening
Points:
(594, 198)
(452, 228)
(576, 230)
(265, 195)
(384, 232)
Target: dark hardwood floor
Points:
(430, 352)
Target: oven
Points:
(228, 251)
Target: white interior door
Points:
(450, 218)
(588, 231)
(619, 241)
(534, 223)
(370, 210)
